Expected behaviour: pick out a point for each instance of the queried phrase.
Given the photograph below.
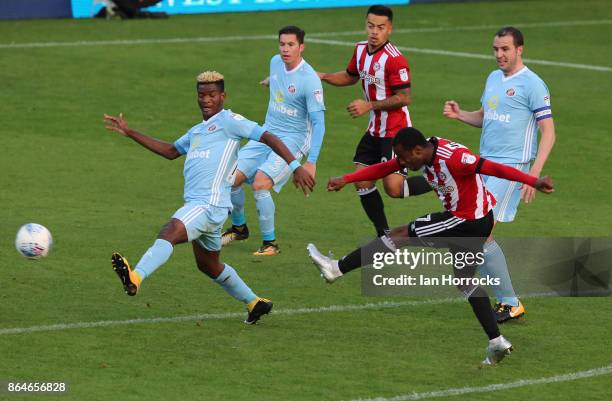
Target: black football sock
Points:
(375, 209)
(479, 300)
(365, 255)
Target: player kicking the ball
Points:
(211, 149)
(454, 173)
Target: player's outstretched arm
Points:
(340, 78)
(488, 167)
(453, 111)
(301, 177)
(162, 148)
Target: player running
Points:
(515, 103)
(454, 173)
(211, 149)
(296, 115)
(385, 80)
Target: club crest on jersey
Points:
(510, 92)
(441, 176)
(467, 158)
(376, 66)
(403, 73)
(291, 89)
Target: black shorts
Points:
(443, 230)
(451, 231)
(373, 150)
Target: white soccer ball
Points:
(33, 241)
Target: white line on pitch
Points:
(223, 316)
(332, 42)
(605, 370)
(472, 55)
(232, 315)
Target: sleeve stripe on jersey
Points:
(391, 50)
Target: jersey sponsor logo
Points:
(198, 154)
(467, 158)
(281, 108)
(278, 97)
(493, 102)
(196, 142)
(493, 115)
(291, 88)
(441, 189)
(370, 79)
(510, 92)
(403, 73)
(318, 94)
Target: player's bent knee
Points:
(262, 182)
(239, 178)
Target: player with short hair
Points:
(296, 115)
(515, 103)
(385, 80)
(454, 174)
(211, 149)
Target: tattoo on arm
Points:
(400, 98)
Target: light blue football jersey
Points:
(212, 150)
(293, 94)
(512, 107)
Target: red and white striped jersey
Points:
(382, 73)
(452, 174)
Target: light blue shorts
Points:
(203, 223)
(507, 193)
(259, 156)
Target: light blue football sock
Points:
(495, 266)
(266, 209)
(237, 196)
(231, 282)
(155, 256)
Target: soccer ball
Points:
(33, 241)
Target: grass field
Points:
(98, 193)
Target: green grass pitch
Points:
(99, 192)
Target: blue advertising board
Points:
(87, 8)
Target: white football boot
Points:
(497, 350)
(326, 265)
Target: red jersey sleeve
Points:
(351, 69)
(464, 162)
(374, 172)
(398, 72)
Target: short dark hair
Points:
(292, 29)
(409, 138)
(517, 36)
(381, 10)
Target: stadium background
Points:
(99, 192)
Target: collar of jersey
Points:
(213, 117)
(296, 68)
(516, 74)
(377, 50)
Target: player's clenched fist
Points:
(451, 109)
(336, 184)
